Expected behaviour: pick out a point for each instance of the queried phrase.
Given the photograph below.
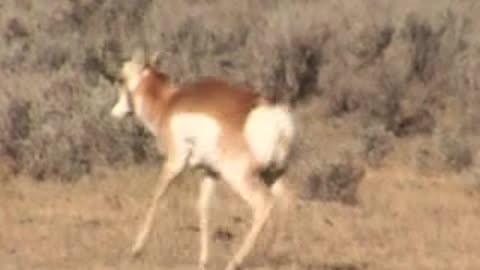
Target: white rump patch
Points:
(269, 131)
(201, 133)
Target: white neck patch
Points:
(122, 107)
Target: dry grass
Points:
(403, 221)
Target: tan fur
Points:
(228, 104)
(204, 123)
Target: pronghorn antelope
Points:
(235, 135)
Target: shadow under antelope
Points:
(236, 135)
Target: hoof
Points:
(136, 250)
(232, 266)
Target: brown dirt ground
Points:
(403, 221)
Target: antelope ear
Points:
(154, 58)
(138, 57)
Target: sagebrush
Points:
(364, 76)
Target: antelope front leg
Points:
(206, 191)
(170, 171)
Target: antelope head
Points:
(130, 77)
